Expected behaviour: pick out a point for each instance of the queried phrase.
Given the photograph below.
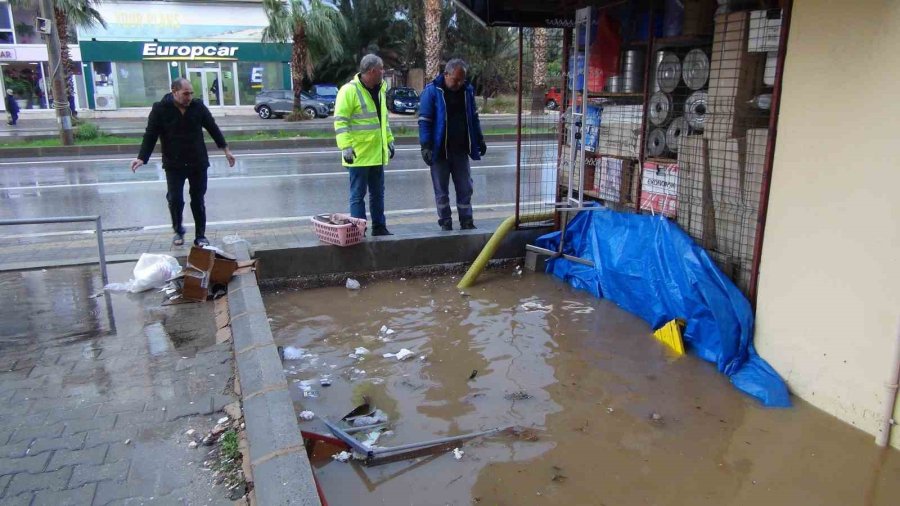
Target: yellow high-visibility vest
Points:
(356, 124)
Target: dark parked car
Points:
(277, 103)
(403, 100)
(325, 93)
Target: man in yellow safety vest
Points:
(365, 139)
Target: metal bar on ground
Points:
(538, 249)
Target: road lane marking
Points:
(230, 178)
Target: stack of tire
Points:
(678, 105)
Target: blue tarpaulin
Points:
(650, 267)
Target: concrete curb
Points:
(378, 254)
(131, 149)
(281, 470)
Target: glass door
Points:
(207, 85)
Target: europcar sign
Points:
(156, 51)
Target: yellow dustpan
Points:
(670, 335)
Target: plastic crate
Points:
(347, 234)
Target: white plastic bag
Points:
(151, 271)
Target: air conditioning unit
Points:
(105, 99)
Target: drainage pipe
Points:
(491, 247)
(883, 437)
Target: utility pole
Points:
(58, 77)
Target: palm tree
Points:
(433, 43)
(539, 81)
(315, 30)
(70, 14)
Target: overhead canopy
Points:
(535, 13)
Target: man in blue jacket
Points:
(450, 134)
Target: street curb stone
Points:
(281, 470)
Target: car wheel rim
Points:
(264, 113)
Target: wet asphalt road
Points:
(261, 187)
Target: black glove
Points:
(391, 151)
(482, 147)
(427, 154)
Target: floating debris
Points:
(342, 457)
(458, 454)
(521, 395)
(292, 353)
(403, 354)
(352, 284)
(361, 351)
(307, 415)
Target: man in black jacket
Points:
(178, 121)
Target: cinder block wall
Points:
(829, 298)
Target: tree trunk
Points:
(540, 71)
(433, 47)
(298, 64)
(65, 59)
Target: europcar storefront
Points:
(136, 74)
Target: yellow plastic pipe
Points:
(491, 247)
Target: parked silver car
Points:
(277, 103)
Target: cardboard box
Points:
(736, 76)
(620, 131)
(614, 179)
(659, 188)
(223, 269)
(765, 31)
(698, 17)
(195, 285)
(696, 214)
(201, 259)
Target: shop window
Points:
(256, 76)
(6, 24)
(140, 84)
(25, 81)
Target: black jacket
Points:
(180, 135)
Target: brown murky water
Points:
(618, 420)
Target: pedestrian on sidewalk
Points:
(450, 134)
(178, 121)
(364, 137)
(12, 107)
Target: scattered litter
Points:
(361, 351)
(474, 373)
(342, 457)
(127, 442)
(311, 394)
(403, 354)
(307, 415)
(371, 439)
(377, 416)
(151, 271)
(292, 353)
(325, 381)
(577, 307)
(222, 420)
(386, 331)
(609, 410)
(402, 279)
(193, 444)
(354, 356)
(517, 396)
(458, 454)
(537, 307)
(190, 432)
(352, 284)
(232, 239)
(464, 294)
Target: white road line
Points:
(216, 155)
(212, 180)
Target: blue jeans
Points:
(457, 167)
(361, 178)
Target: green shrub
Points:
(87, 131)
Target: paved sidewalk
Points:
(27, 252)
(96, 393)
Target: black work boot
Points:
(446, 225)
(380, 230)
(467, 225)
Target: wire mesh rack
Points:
(647, 121)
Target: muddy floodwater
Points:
(614, 419)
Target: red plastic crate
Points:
(347, 234)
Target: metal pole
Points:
(58, 76)
(101, 250)
(770, 156)
(519, 130)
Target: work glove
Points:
(391, 151)
(482, 147)
(427, 154)
(349, 155)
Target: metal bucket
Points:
(695, 108)
(678, 128)
(657, 59)
(668, 72)
(656, 142)
(660, 110)
(614, 84)
(695, 69)
(633, 71)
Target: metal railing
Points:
(71, 219)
